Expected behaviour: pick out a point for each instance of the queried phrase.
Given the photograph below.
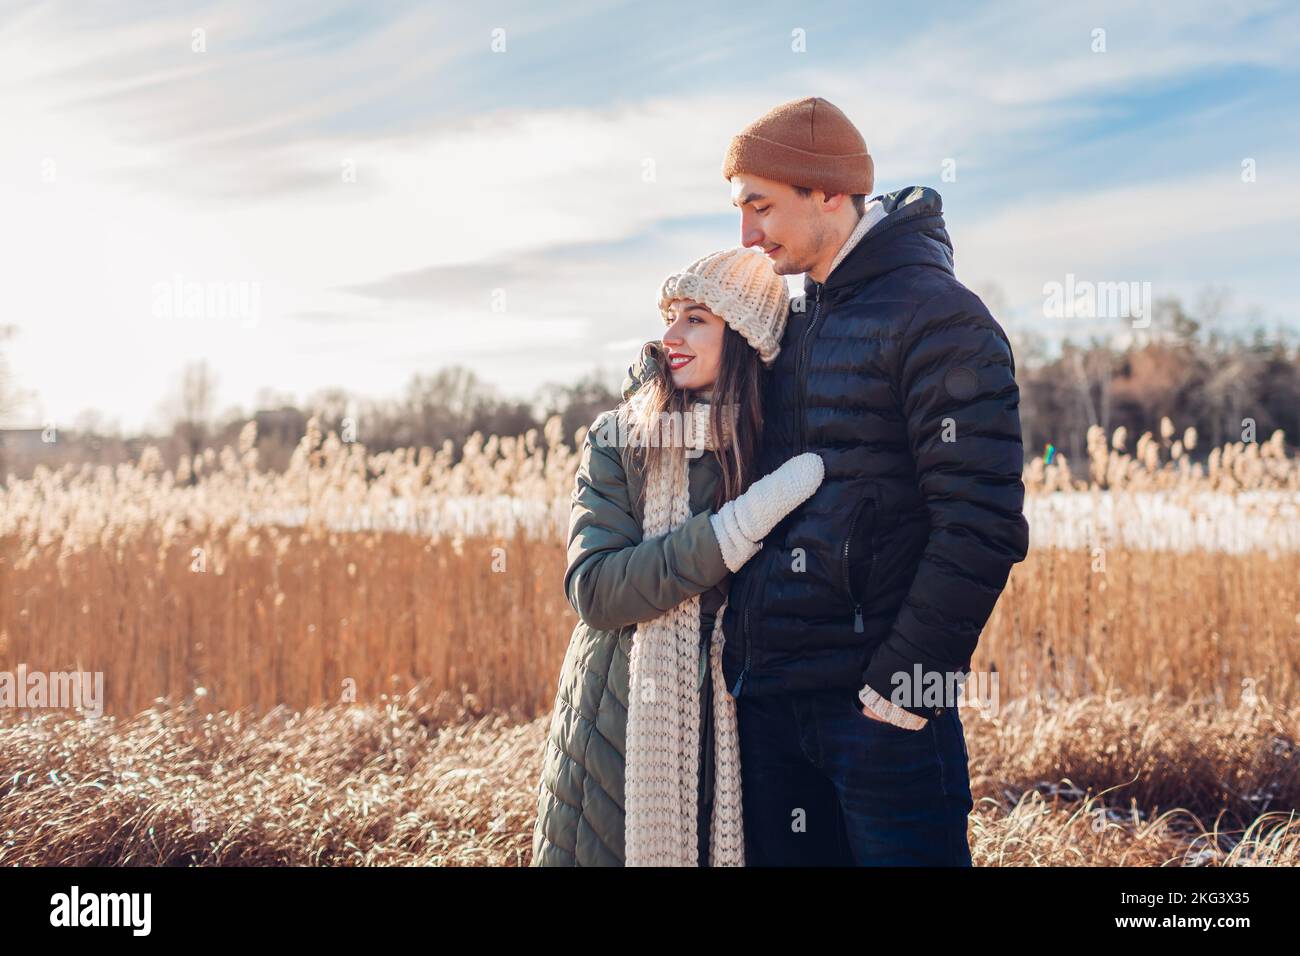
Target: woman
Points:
(642, 764)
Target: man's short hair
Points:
(859, 199)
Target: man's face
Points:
(793, 230)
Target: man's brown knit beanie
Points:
(806, 142)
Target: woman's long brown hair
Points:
(740, 382)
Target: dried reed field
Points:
(353, 661)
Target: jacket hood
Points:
(912, 233)
(643, 368)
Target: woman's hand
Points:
(742, 523)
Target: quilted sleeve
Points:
(614, 577)
(962, 408)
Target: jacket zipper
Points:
(844, 569)
(858, 627)
(735, 691)
(871, 572)
(744, 627)
(799, 368)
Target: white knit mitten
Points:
(742, 523)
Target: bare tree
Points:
(12, 400)
(189, 410)
(445, 404)
(577, 403)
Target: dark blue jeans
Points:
(825, 785)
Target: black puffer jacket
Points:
(898, 376)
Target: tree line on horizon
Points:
(1227, 387)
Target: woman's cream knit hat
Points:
(740, 286)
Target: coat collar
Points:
(641, 369)
(910, 232)
(872, 214)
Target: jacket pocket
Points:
(857, 556)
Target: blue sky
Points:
(498, 213)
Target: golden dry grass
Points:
(281, 694)
(284, 616)
(1125, 782)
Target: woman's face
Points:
(693, 340)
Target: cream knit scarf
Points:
(663, 718)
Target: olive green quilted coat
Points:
(614, 580)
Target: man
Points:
(870, 597)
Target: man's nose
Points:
(750, 234)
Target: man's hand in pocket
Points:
(873, 703)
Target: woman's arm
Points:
(614, 577)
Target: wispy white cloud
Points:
(230, 166)
(1178, 235)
